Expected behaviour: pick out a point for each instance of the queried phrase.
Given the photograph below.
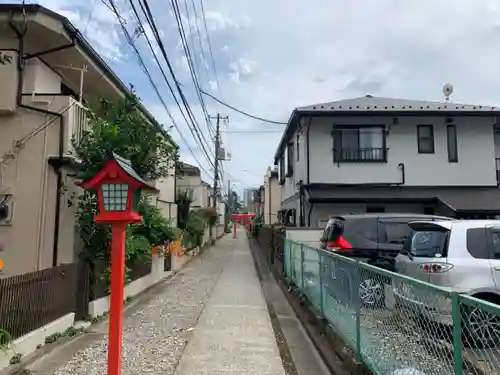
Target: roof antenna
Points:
(447, 91)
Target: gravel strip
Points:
(400, 344)
(154, 337)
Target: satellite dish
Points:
(447, 91)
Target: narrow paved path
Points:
(209, 319)
(234, 335)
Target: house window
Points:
(425, 137)
(298, 147)
(365, 144)
(281, 170)
(289, 160)
(451, 132)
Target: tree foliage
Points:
(5, 59)
(193, 222)
(183, 200)
(196, 224)
(122, 128)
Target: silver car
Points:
(461, 256)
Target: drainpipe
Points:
(403, 174)
(308, 179)
(19, 99)
(309, 214)
(308, 175)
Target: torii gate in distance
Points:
(241, 219)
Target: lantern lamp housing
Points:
(118, 188)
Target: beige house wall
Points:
(200, 190)
(29, 138)
(28, 237)
(272, 198)
(165, 198)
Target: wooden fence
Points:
(32, 300)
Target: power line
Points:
(147, 11)
(192, 37)
(141, 62)
(187, 52)
(209, 45)
(194, 129)
(166, 80)
(200, 40)
(256, 132)
(202, 54)
(241, 111)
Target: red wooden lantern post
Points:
(118, 189)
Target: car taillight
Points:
(340, 246)
(436, 267)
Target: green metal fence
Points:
(393, 323)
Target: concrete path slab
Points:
(234, 334)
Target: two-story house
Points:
(374, 154)
(52, 71)
(188, 180)
(272, 196)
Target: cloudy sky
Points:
(272, 56)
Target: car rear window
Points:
(428, 243)
(394, 232)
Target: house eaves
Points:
(378, 106)
(188, 169)
(34, 9)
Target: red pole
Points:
(116, 299)
(234, 230)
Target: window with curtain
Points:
(359, 144)
(451, 131)
(425, 138)
(281, 169)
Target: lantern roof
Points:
(121, 167)
(126, 165)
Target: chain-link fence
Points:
(394, 322)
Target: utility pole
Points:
(217, 158)
(229, 196)
(229, 207)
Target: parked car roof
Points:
(388, 214)
(472, 223)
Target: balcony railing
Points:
(360, 155)
(77, 123)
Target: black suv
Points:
(376, 239)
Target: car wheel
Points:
(482, 329)
(371, 293)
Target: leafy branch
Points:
(5, 59)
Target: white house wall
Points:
(476, 154)
(497, 144)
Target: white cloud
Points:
(272, 56)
